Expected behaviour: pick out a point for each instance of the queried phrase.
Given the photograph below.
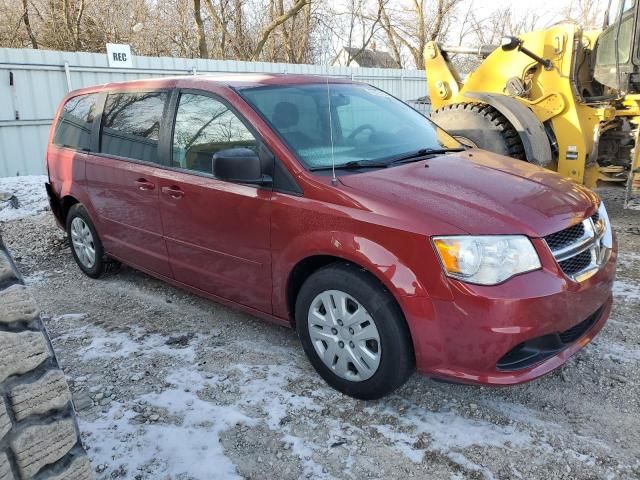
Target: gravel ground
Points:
(171, 386)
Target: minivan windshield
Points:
(365, 126)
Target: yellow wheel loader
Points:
(563, 98)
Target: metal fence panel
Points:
(32, 83)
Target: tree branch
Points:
(279, 20)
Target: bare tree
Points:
(294, 31)
(479, 28)
(275, 23)
(202, 39)
(422, 22)
(588, 13)
(364, 25)
(27, 24)
(230, 17)
(296, 34)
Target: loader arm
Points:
(443, 80)
(549, 93)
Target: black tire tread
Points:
(103, 263)
(494, 117)
(39, 436)
(382, 305)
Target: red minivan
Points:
(331, 207)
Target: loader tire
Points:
(480, 125)
(39, 436)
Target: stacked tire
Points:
(39, 436)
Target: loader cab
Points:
(617, 61)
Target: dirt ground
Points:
(171, 386)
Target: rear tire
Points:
(482, 126)
(86, 245)
(368, 301)
(39, 435)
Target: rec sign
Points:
(119, 55)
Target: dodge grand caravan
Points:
(331, 207)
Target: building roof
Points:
(371, 58)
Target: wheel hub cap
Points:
(82, 241)
(344, 335)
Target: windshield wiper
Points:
(389, 161)
(352, 165)
(420, 154)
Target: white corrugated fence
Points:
(32, 83)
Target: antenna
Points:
(334, 180)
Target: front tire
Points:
(353, 332)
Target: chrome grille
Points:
(565, 237)
(576, 264)
(581, 249)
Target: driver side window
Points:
(203, 127)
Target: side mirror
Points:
(240, 165)
(510, 43)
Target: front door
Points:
(217, 232)
(122, 182)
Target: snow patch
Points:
(530, 417)
(70, 317)
(31, 194)
(265, 386)
(628, 291)
(619, 352)
(187, 442)
(464, 462)
(36, 278)
(448, 431)
(121, 345)
(190, 447)
(628, 259)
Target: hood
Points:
(480, 193)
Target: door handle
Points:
(173, 192)
(144, 184)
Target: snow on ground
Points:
(35, 278)
(171, 386)
(620, 353)
(31, 194)
(180, 430)
(183, 435)
(187, 442)
(449, 431)
(627, 290)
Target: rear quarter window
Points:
(74, 124)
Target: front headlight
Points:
(486, 260)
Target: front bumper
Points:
(510, 333)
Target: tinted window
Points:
(203, 127)
(131, 125)
(295, 113)
(366, 123)
(74, 125)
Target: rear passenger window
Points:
(205, 126)
(131, 125)
(74, 126)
